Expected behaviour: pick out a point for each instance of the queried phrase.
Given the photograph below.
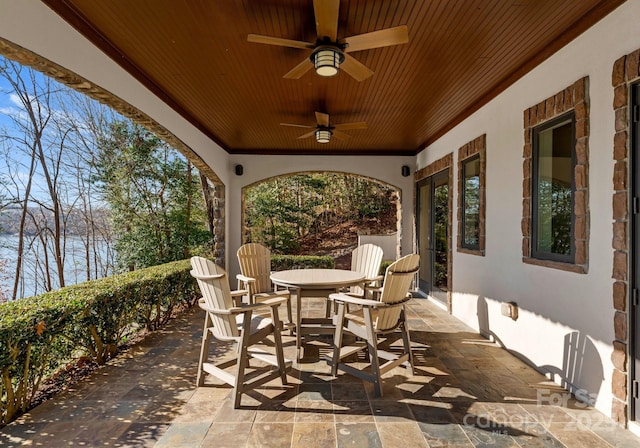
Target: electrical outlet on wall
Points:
(510, 309)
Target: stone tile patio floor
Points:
(468, 392)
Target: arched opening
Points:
(322, 213)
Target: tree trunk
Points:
(210, 205)
(23, 220)
(187, 224)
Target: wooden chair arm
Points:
(205, 277)
(244, 278)
(276, 301)
(237, 295)
(203, 305)
(374, 279)
(341, 297)
(239, 292)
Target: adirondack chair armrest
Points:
(341, 297)
(256, 306)
(276, 301)
(237, 295)
(374, 279)
(244, 278)
(203, 305)
(239, 292)
(206, 276)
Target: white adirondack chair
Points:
(255, 268)
(374, 320)
(230, 323)
(366, 259)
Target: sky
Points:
(7, 102)
(11, 109)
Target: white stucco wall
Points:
(566, 319)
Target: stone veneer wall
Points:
(433, 168)
(475, 146)
(625, 71)
(82, 85)
(576, 98)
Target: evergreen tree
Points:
(152, 194)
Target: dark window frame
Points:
(463, 242)
(553, 123)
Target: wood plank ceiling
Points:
(195, 55)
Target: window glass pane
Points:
(471, 207)
(554, 189)
(441, 240)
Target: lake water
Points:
(33, 265)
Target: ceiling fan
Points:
(330, 53)
(323, 131)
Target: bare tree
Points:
(34, 95)
(48, 153)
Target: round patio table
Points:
(314, 283)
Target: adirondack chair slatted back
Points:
(255, 262)
(217, 295)
(397, 280)
(366, 259)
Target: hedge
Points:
(284, 262)
(39, 334)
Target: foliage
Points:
(284, 262)
(3, 277)
(278, 211)
(441, 242)
(41, 333)
(157, 213)
(281, 211)
(384, 265)
(471, 231)
(554, 217)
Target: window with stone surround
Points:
(553, 162)
(555, 202)
(471, 197)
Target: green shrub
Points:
(284, 262)
(384, 265)
(40, 334)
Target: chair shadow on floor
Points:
(581, 362)
(461, 380)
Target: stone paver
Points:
(468, 392)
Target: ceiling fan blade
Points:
(377, 39)
(297, 125)
(350, 126)
(340, 135)
(299, 70)
(278, 41)
(357, 70)
(308, 134)
(326, 12)
(322, 119)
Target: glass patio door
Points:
(432, 224)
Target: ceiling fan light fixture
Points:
(327, 60)
(323, 135)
